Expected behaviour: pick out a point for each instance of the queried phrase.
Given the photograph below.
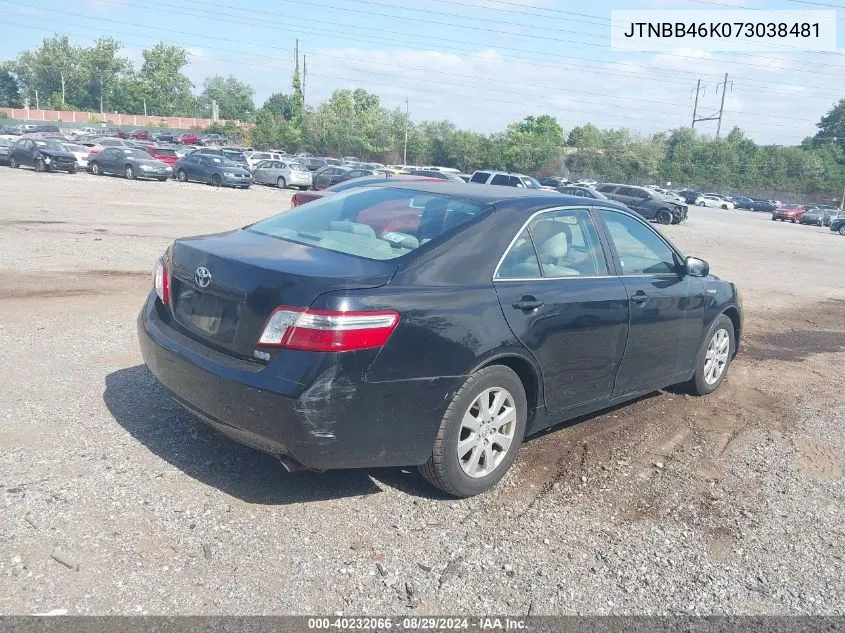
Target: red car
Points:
(165, 155)
(791, 212)
(307, 196)
(140, 135)
(189, 138)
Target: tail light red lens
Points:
(328, 331)
(294, 201)
(161, 280)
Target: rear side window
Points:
(376, 223)
(558, 244)
(607, 188)
(501, 179)
(480, 176)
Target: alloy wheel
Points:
(487, 431)
(716, 357)
(129, 173)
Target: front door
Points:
(666, 307)
(562, 303)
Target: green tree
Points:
(167, 88)
(279, 104)
(234, 98)
(832, 124)
(9, 94)
(297, 99)
(104, 71)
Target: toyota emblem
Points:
(202, 277)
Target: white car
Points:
(715, 202)
(591, 184)
(256, 157)
(81, 153)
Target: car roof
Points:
(492, 194)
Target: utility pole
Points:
(722, 106)
(407, 120)
(63, 86)
(145, 106)
(36, 101)
(304, 75)
(695, 107)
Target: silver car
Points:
(282, 174)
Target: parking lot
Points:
(730, 503)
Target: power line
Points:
(651, 110)
(370, 39)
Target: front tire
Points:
(663, 216)
(181, 176)
(216, 181)
(13, 163)
(714, 357)
(479, 434)
(129, 172)
(841, 230)
(95, 169)
(73, 169)
(281, 183)
(702, 204)
(39, 165)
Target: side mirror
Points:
(695, 267)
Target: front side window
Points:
(641, 250)
(500, 179)
(480, 177)
(557, 244)
(376, 223)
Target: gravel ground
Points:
(725, 504)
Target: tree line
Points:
(354, 122)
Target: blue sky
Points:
(479, 63)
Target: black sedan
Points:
(212, 169)
(42, 154)
(328, 176)
(837, 225)
(649, 204)
(428, 324)
(759, 204)
(129, 162)
(819, 216)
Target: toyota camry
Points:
(430, 324)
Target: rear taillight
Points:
(294, 201)
(328, 331)
(161, 280)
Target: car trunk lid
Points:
(224, 287)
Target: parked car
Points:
(103, 142)
(212, 139)
(488, 177)
(282, 174)
(349, 159)
(553, 181)
(820, 216)
(741, 202)
(143, 135)
(80, 152)
(129, 162)
(212, 169)
(758, 204)
(235, 156)
(439, 175)
(328, 176)
(311, 163)
(189, 138)
(5, 150)
(332, 162)
(713, 201)
(837, 224)
(42, 154)
(506, 324)
(586, 182)
(690, 196)
(791, 212)
(164, 137)
(253, 158)
(649, 204)
(164, 154)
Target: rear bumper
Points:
(335, 420)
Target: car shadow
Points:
(141, 406)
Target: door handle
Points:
(639, 297)
(528, 303)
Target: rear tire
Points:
(281, 183)
(95, 169)
(792, 220)
(163, 179)
(446, 468)
(702, 204)
(841, 230)
(13, 163)
(73, 169)
(710, 372)
(216, 181)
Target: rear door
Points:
(563, 303)
(666, 307)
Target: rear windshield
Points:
(376, 223)
(235, 157)
(161, 151)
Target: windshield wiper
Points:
(308, 236)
